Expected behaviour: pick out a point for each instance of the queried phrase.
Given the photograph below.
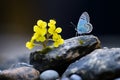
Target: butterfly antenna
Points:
(74, 25)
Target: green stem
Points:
(44, 45)
(47, 36)
(46, 41)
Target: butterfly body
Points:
(84, 26)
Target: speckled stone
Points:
(101, 64)
(59, 58)
(21, 73)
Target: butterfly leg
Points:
(76, 34)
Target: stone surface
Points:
(49, 75)
(117, 79)
(59, 58)
(20, 64)
(21, 73)
(101, 64)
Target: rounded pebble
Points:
(65, 78)
(75, 77)
(117, 79)
(49, 75)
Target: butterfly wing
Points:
(83, 25)
(88, 27)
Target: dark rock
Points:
(101, 64)
(21, 73)
(21, 64)
(49, 75)
(59, 58)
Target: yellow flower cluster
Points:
(43, 34)
(55, 33)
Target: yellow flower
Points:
(56, 37)
(29, 45)
(42, 34)
(41, 39)
(51, 30)
(41, 24)
(38, 38)
(34, 37)
(57, 40)
(61, 41)
(51, 23)
(36, 29)
(40, 31)
(56, 44)
(58, 30)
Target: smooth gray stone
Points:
(75, 77)
(65, 79)
(49, 75)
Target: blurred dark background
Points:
(17, 18)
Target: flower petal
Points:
(29, 45)
(58, 30)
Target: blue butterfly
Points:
(84, 26)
